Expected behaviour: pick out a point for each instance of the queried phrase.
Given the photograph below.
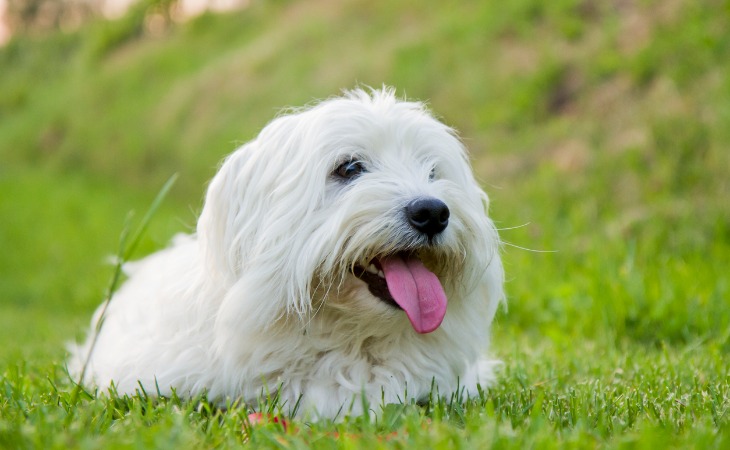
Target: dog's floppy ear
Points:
(254, 225)
(215, 233)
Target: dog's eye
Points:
(432, 174)
(350, 169)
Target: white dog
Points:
(346, 251)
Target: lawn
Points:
(600, 131)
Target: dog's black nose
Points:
(428, 215)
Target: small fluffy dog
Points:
(346, 251)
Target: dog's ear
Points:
(255, 228)
(214, 230)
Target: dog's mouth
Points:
(403, 281)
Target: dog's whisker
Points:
(527, 249)
(526, 224)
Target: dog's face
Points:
(362, 203)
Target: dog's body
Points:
(324, 259)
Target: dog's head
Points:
(362, 202)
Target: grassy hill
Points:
(599, 129)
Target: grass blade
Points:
(126, 249)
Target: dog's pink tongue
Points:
(417, 290)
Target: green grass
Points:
(599, 129)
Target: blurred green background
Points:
(600, 130)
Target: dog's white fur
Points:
(262, 297)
